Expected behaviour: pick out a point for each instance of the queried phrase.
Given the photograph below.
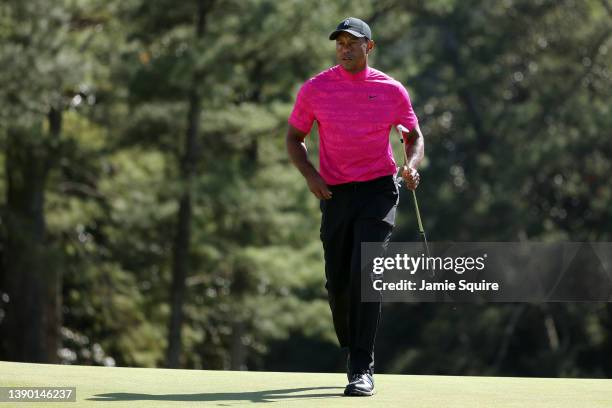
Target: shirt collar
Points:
(357, 76)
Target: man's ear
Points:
(371, 45)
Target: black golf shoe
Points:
(360, 384)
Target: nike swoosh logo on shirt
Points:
(372, 96)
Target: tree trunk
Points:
(180, 263)
(32, 280)
(238, 352)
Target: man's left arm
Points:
(415, 150)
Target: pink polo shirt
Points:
(355, 113)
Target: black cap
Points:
(354, 26)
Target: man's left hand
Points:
(411, 177)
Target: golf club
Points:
(401, 129)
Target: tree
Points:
(41, 76)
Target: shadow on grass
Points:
(252, 396)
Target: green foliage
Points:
(513, 98)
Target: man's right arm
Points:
(299, 156)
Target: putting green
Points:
(144, 387)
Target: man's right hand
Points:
(319, 188)
(299, 156)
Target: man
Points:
(355, 107)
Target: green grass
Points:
(143, 387)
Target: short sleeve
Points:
(302, 115)
(405, 114)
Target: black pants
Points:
(356, 213)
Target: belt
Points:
(354, 185)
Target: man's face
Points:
(351, 51)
